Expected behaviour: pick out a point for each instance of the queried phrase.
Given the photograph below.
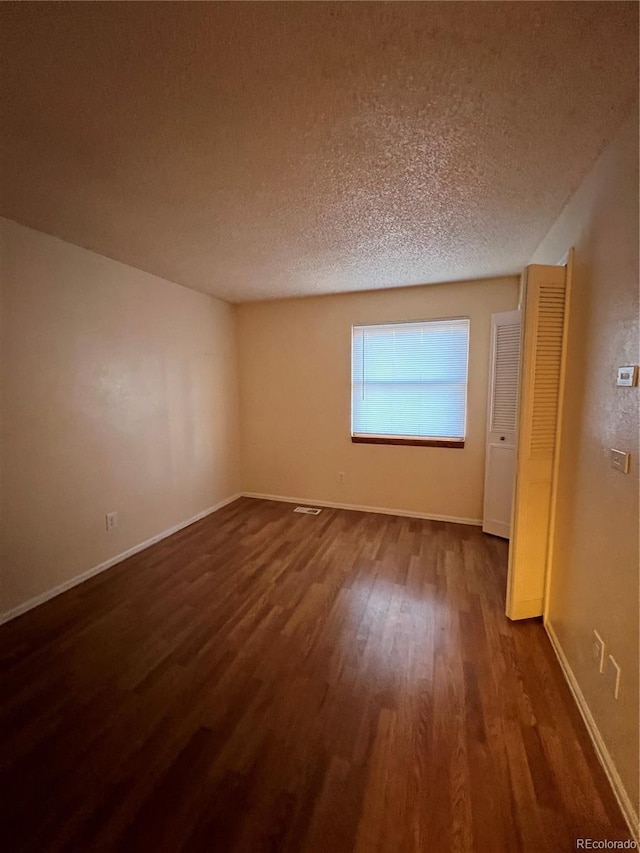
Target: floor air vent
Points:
(308, 510)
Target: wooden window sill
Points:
(411, 442)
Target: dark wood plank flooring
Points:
(269, 681)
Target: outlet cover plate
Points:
(598, 651)
(612, 674)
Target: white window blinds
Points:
(409, 380)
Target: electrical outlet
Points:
(341, 476)
(597, 651)
(111, 520)
(612, 674)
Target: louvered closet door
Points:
(536, 437)
(502, 408)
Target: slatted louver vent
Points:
(507, 367)
(546, 378)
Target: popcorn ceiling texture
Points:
(256, 150)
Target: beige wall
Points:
(295, 358)
(595, 578)
(119, 392)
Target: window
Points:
(409, 383)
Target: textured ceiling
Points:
(254, 150)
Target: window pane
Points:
(410, 379)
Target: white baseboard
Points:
(477, 522)
(95, 570)
(624, 801)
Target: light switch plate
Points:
(627, 376)
(620, 460)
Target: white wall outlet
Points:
(341, 476)
(612, 674)
(597, 651)
(111, 520)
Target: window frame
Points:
(410, 441)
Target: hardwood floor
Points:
(270, 681)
